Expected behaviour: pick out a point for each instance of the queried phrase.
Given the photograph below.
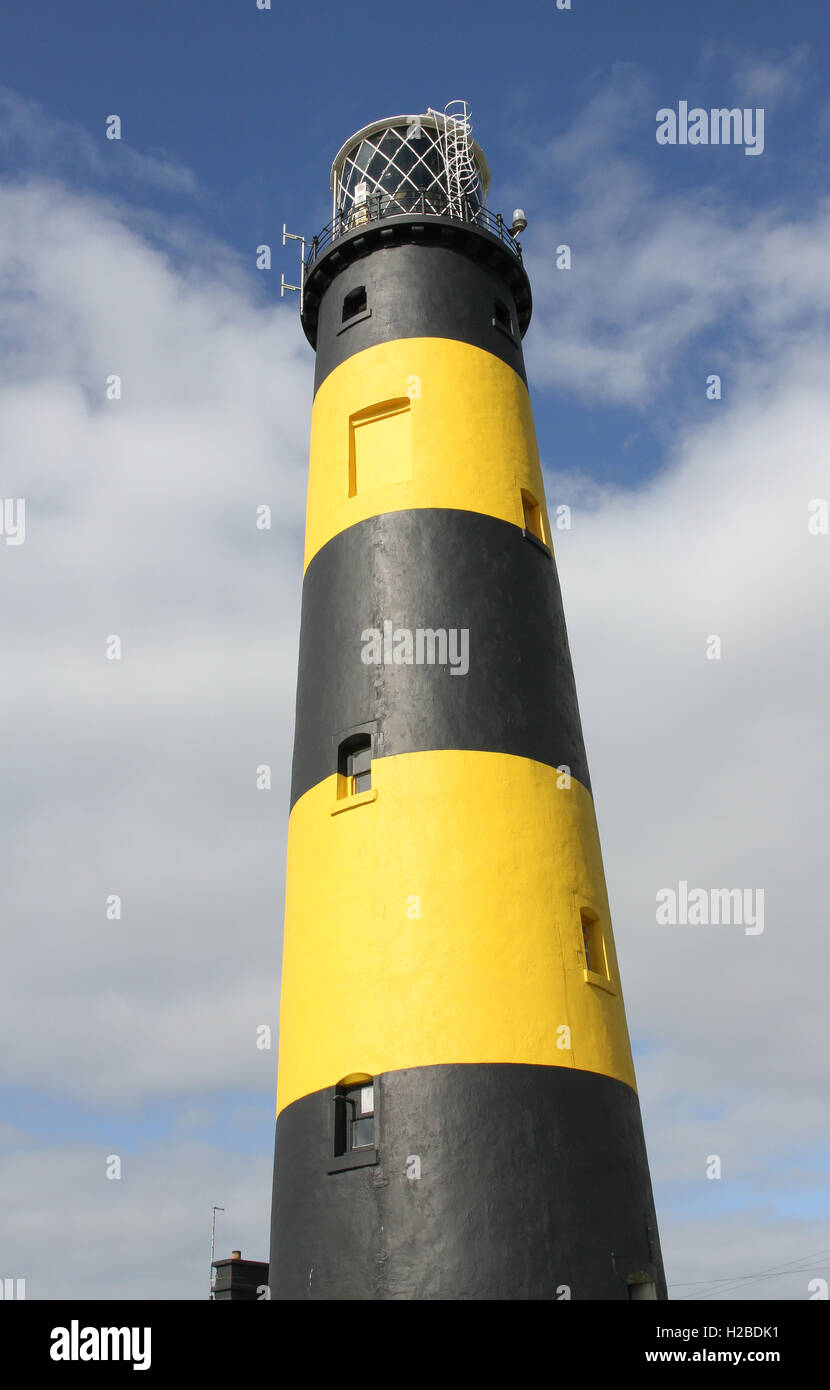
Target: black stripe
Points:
(418, 291)
(531, 1178)
(436, 569)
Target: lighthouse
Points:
(457, 1113)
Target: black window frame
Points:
(503, 320)
(351, 749)
(344, 1154)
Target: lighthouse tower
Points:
(457, 1115)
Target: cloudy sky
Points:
(689, 520)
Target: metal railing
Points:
(380, 206)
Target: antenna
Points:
(292, 236)
(212, 1244)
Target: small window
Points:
(594, 945)
(354, 303)
(355, 765)
(360, 770)
(501, 317)
(532, 514)
(354, 1118)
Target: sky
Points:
(690, 518)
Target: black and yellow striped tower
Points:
(456, 1112)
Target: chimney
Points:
(240, 1280)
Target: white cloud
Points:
(658, 270)
(712, 772)
(715, 772)
(645, 285)
(73, 1233)
(39, 139)
(613, 106)
(137, 777)
(758, 79)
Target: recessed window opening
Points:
(354, 302)
(380, 444)
(532, 513)
(593, 943)
(354, 1118)
(354, 763)
(501, 316)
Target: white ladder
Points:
(462, 174)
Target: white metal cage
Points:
(407, 164)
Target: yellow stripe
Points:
(499, 861)
(420, 422)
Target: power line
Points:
(708, 1287)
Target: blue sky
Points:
(138, 256)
